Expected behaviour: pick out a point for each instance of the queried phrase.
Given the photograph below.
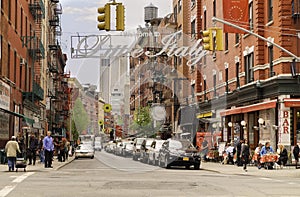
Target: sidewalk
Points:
(40, 166)
(287, 171)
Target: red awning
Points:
(289, 102)
(250, 108)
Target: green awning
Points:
(25, 118)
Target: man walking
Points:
(33, 145)
(48, 148)
(11, 149)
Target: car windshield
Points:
(183, 145)
(139, 141)
(158, 144)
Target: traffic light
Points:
(120, 17)
(219, 39)
(104, 18)
(207, 39)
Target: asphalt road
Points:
(110, 175)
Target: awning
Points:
(204, 115)
(290, 102)
(250, 108)
(26, 119)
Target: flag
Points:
(236, 12)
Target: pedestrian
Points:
(238, 153)
(48, 148)
(11, 149)
(230, 151)
(296, 154)
(62, 155)
(283, 156)
(204, 149)
(41, 150)
(33, 146)
(67, 149)
(256, 156)
(245, 154)
(266, 149)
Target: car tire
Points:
(187, 167)
(92, 157)
(166, 162)
(76, 157)
(159, 163)
(196, 166)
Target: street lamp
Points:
(243, 123)
(230, 125)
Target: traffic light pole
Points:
(214, 19)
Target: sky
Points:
(80, 18)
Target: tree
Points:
(80, 116)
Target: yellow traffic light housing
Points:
(104, 18)
(219, 39)
(120, 17)
(207, 39)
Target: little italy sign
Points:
(170, 46)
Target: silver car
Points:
(153, 151)
(84, 150)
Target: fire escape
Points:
(59, 93)
(36, 52)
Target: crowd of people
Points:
(263, 155)
(43, 147)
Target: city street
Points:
(110, 175)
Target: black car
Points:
(179, 153)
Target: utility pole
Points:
(214, 19)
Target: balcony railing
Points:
(37, 9)
(37, 92)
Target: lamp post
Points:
(230, 124)
(243, 123)
(261, 121)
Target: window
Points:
(237, 70)
(215, 83)
(270, 10)
(16, 15)
(226, 79)
(175, 13)
(21, 72)
(204, 87)
(249, 62)
(193, 29)
(179, 6)
(21, 22)
(226, 41)
(271, 58)
(214, 8)
(9, 10)
(237, 38)
(204, 20)
(8, 61)
(15, 66)
(193, 3)
(251, 16)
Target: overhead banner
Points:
(236, 12)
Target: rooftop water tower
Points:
(151, 12)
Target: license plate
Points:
(185, 159)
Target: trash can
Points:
(2, 156)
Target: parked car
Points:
(98, 146)
(146, 144)
(110, 147)
(153, 151)
(127, 148)
(84, 150)
(136, 148)
(179, 153)
(119, 148)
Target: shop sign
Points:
(284, 126)
(4, 95)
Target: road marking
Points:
(6, 190)
(22, 177)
